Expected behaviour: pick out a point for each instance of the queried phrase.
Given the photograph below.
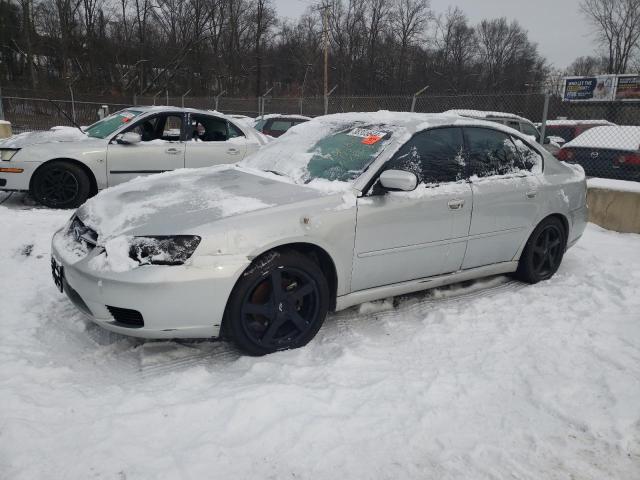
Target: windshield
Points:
(110, 124)
(345, 155)
(316, 151)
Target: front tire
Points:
(543, 252)
(279, 303)
(60, 184)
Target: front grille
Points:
(83, 234)
(126, 317)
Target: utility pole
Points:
(325, 29)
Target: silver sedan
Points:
(342, 210)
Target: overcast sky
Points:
(559, 29)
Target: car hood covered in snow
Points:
(55, 135)
(174, 202)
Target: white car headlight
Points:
(7, 154)
(163, 250)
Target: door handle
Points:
(532, 193)
(233, 151)
(456, 204)
(173, 151)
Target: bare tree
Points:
(409, 23)
(617, 26)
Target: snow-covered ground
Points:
(494, 379)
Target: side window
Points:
(280, 126)
(172, 128)
(530, 130)
(531, 159)
(208, 129)
(435, 156)
(146, 129)
(490, 152)
(234, 131)
(514, 124)
(159, 127)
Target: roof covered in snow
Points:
(485, 114)
(608, 138)
(571, 123)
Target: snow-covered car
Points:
(342, 210)
(606, 152)
(276, 124)
(563, 131)
(65, 166)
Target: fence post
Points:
(415, 96)
(263, 97)
(167, 92)
(545, 114)
(218, 99)
(184, 95)
(73, 105)
(1, 109)
(135, 100)
(326, 99)
(301, 98)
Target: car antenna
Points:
(66, 115)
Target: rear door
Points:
(402, 236)
(505, 188)
(213, 140)
(161, 149)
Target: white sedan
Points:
(63, 167)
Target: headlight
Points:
(163, 250)
(7, 154)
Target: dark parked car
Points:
(567, 130)
(275, 125)
(607, 152)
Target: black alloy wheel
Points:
(60, 184)
(278, 304)
(544, 251)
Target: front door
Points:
(505, 180)
(402, 236)
(162, 149)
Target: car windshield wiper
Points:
(275, 172)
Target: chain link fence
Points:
(604, 137)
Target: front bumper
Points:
(184, 301)
(17, 181)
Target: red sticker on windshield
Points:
(371, 139)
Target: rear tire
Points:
(543, 253)
(60, 184)
(279, 303)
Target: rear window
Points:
(345, 155)
(110, 124)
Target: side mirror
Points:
(398, 180)
(547, 141)
(129, 138)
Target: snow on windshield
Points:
(335, 147)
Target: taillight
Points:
(630, 159)
(565, 155)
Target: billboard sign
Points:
(628, 88)
(598, 88)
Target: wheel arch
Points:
(92, 178)
(565, 224)
(317, 253)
